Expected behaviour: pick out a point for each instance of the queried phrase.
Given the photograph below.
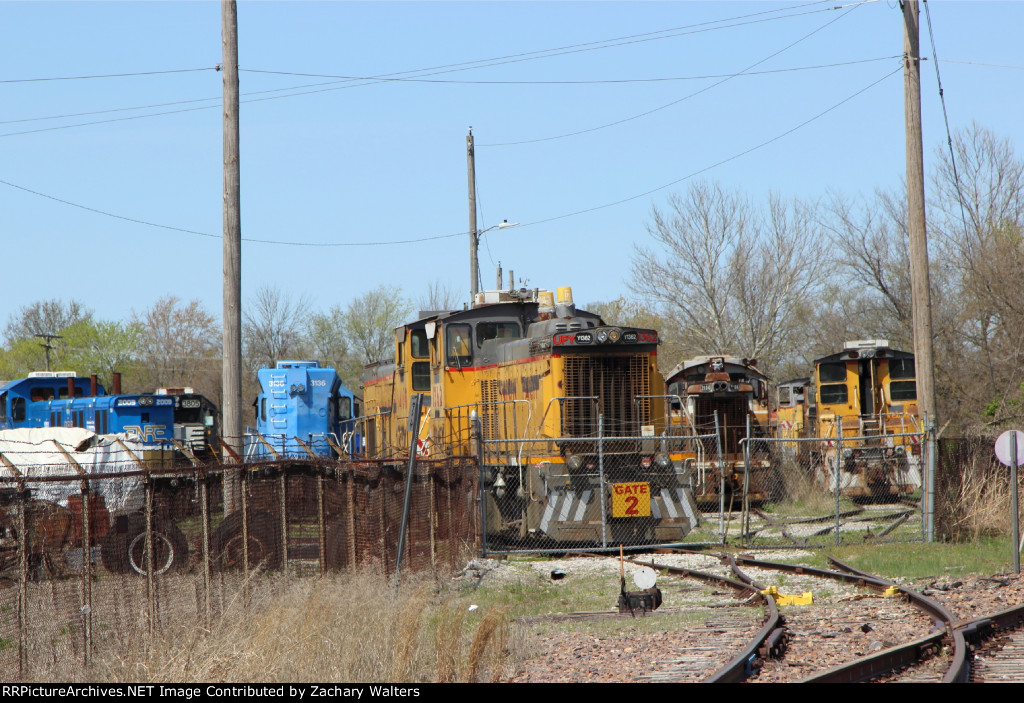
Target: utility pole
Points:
(920, 290)
(474, 238)
(232, 312)
(47, 346)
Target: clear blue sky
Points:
(362, 161)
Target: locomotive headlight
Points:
(614, 334)
(602, 336)
(574, 462)
(145, 401)
(663, 461)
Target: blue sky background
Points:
(356, 161)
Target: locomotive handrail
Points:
(561, 398)
(682, 407)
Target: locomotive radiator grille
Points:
(616, 382)
(732, 420)
(489, 409)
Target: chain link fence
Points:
(103, 552)
(696, 486)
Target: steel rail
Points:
(889, 660)
(898, 657)
(768, 641)
(977, 631)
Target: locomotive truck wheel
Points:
(336, 557)
(124, 548)
(263, 537)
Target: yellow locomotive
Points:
(571, 414)
(861, 408)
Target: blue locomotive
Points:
(65, 399)
(302, 407)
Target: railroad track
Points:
(860, 628)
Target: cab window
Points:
(832, 373)
(344, 408)
(418, 346)
(901, 368)
(495, 330)
(18, 409)
(41, 393)
(833, 393)
(903, 390)
(421, 375)
(457, 345)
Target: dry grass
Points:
(355, 627)
(974, 495)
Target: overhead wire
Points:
(436, 70)
(464, 233)
(674, 102)
(717, 163)
(945, 116)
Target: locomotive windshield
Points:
(832, 373)
(496, 330)
(901, 368)
(457, 349)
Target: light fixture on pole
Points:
(474, 260)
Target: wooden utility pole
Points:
(474, 238)
(232, 316)
(919, 279)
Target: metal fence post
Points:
(476, 441)
(600, 479)
(86, 573)
(415, 404)
(22, 583)
(721, 481)
(745, 518)
(205, 517)
(244, 483)
(839, 469)
(931, 447)
(284, 525)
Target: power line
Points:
(674, 102)
(945, 116)
(596, 81)
(718, 163)
(418, 80)
(217, 236)
(448, 68)
(107, 75)
(462, 234)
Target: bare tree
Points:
(439, 296)
(179, 344)
(45, 317)
(273, 327)
(370, 320)
(728, 275)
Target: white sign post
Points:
(1007, 452)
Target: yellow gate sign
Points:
(631, 499)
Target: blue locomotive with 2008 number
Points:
(65, 399)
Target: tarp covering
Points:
(35, 454)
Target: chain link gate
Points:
(595, 488)
(827, 490)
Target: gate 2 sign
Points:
(1003, 448)
(631, 499)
